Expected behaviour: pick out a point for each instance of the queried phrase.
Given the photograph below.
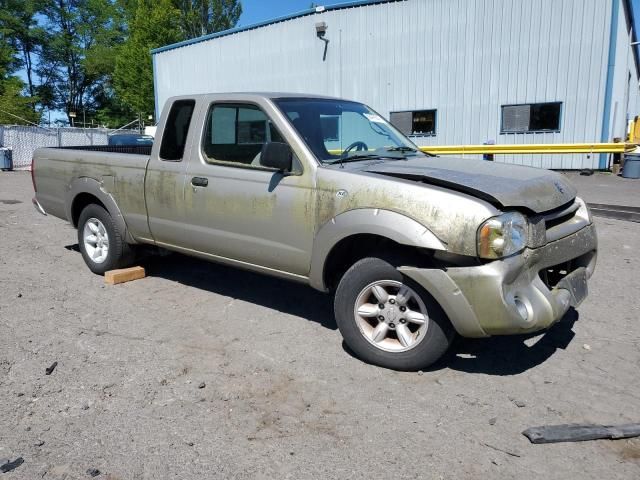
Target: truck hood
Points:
(501, 184)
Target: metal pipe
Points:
(553, 148)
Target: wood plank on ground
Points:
(113, 277)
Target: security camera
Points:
(321, 29)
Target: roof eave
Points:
(303, 13)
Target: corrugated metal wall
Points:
(624, 98)
(464, 58)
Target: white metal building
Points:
(447, 72)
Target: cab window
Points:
(176, 130)
(235, 133)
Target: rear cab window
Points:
(176, 130)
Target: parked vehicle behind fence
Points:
(130, 140)
(415, 248)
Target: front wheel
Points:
(389, 320)
(101, 243)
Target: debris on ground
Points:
(580, 433)
(492, 421)
(518, 403)
(93, 472)
(508, 452)
(8, 466)
(50, 369)
(202, 385)
(586, 346)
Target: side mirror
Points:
(277, 155)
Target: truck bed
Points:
(119, 171)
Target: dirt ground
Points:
(201, 371)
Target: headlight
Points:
(502, 236)
(583, 210)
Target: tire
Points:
(117, 254)
(401, 343)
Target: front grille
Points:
(561, 215)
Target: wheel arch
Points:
(85, 191)
(366, 225)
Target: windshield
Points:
(338, 130)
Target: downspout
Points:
(608, 92)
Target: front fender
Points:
(394, 226)
(100, 190)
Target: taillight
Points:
(33, 174)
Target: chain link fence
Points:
(23, 140)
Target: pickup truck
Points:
(415, 248)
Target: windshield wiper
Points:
(401, 149)
(409, 150)
(354, 158)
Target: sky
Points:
(254, 11)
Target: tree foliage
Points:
(154, 24)
(201, 17)
(16, 108)
(80, 56)
(92, 57)
(24, 34)
(16, 44)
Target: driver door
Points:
(239, 210)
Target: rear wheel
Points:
(101, 242)
(389, 320)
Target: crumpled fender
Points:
(385, 223)
(100, 190)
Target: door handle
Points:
(199, 181)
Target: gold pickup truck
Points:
(324, 191)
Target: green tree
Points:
(80, 56)
(19, 22)
(15, 107)
(155, 23)
(201, 17)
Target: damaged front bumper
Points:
(519, 294)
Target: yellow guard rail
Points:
(529, 148)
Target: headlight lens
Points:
(502, 236)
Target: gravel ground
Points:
(201, 371)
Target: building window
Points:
(418, 122)
(531, 117)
